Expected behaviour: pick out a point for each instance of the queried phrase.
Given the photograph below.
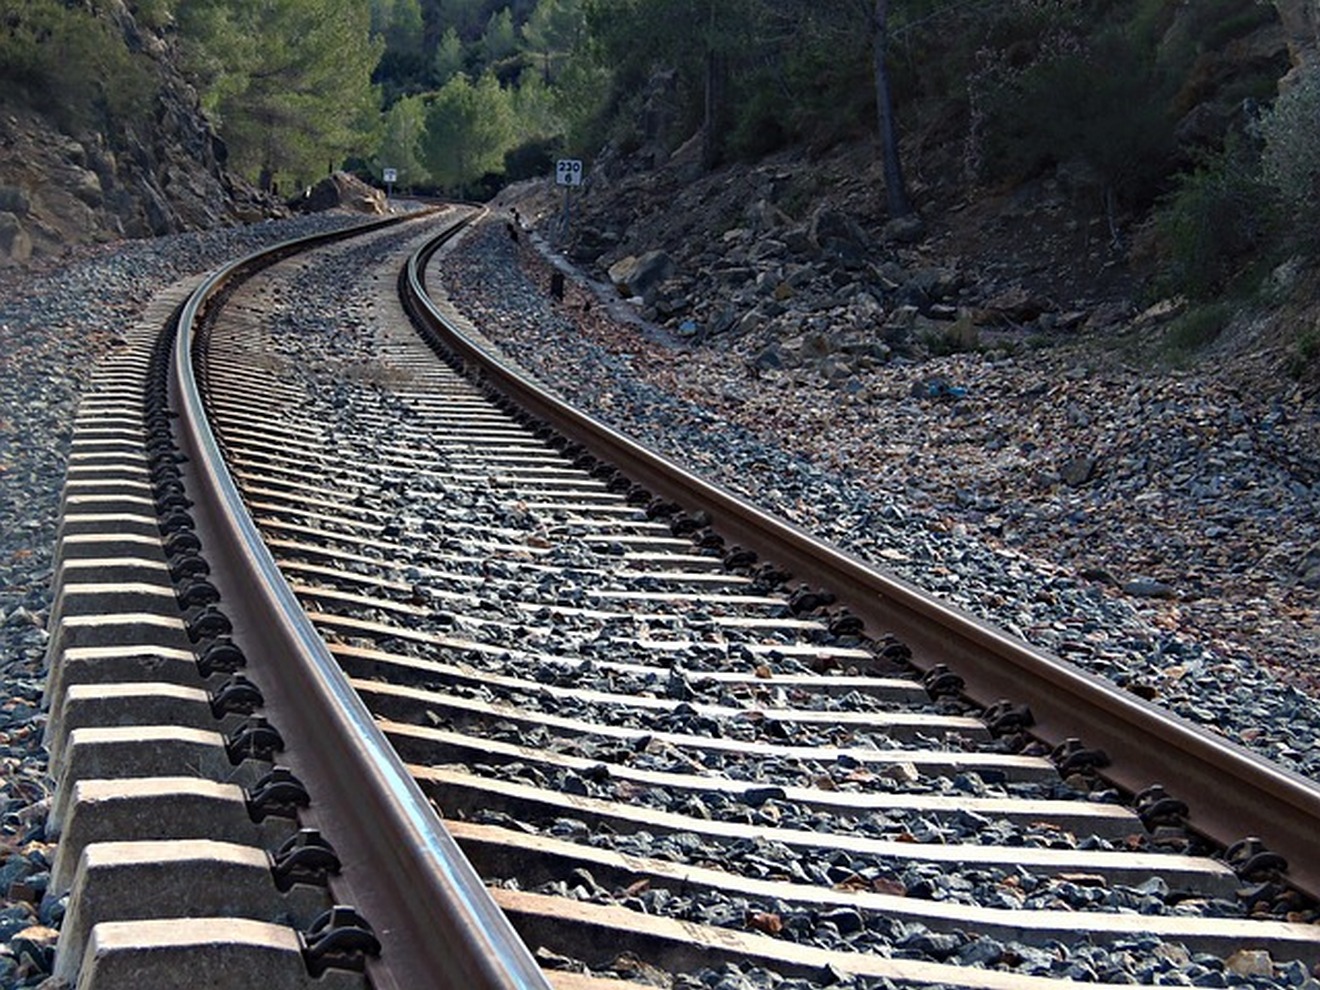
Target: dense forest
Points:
(461, 96)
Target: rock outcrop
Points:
(158, 174)
(1301, 25)
(636, 277)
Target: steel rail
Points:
(436, 922)
(1232, 793)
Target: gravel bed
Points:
(847, 929)
(821, 493)
(1167, 966)
(921, 485)
(680, 403)
(56, 323)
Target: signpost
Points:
(391, 176)
(568, 173)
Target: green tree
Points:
(552, 32)
(402, 69)
(1077, 95)
(289, 81)
(499, 40)
(1290, 159)
(464, 16)
(896, 194)
(65, 59)
(399, 23)
(698, 39)
(534, 109)
(400, 146)
(448, 61)
(469, 127)
(581, 98)
(856, 37)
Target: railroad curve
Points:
(657, 751)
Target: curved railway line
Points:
(386, 666)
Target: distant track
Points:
(643, 734)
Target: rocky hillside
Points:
(795, 258)
(160, 174)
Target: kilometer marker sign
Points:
(568, 172)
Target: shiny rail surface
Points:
(446, 931)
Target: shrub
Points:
(1290, 159)
(152, 14)
(1304, 361)
(69, 59)
(1094, 102)
(1197, 327)
(1214, 223)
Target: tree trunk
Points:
(712, 143)
(896, 196)
(712, 139)
(716, 90)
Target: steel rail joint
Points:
(1231, 792)
(438, 925)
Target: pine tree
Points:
(448, 61)
(469, 127)
(401, 142)
(554, 29)
(289, 81)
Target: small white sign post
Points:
(568, 173)
(391, 176)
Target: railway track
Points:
(666, 732)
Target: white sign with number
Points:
(568, 172)
(390, 174)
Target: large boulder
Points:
(340, 191)
(834, 236)
(15, 243)
(641, 276)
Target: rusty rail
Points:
(1232, 793)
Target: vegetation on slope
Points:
(1157, 106)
